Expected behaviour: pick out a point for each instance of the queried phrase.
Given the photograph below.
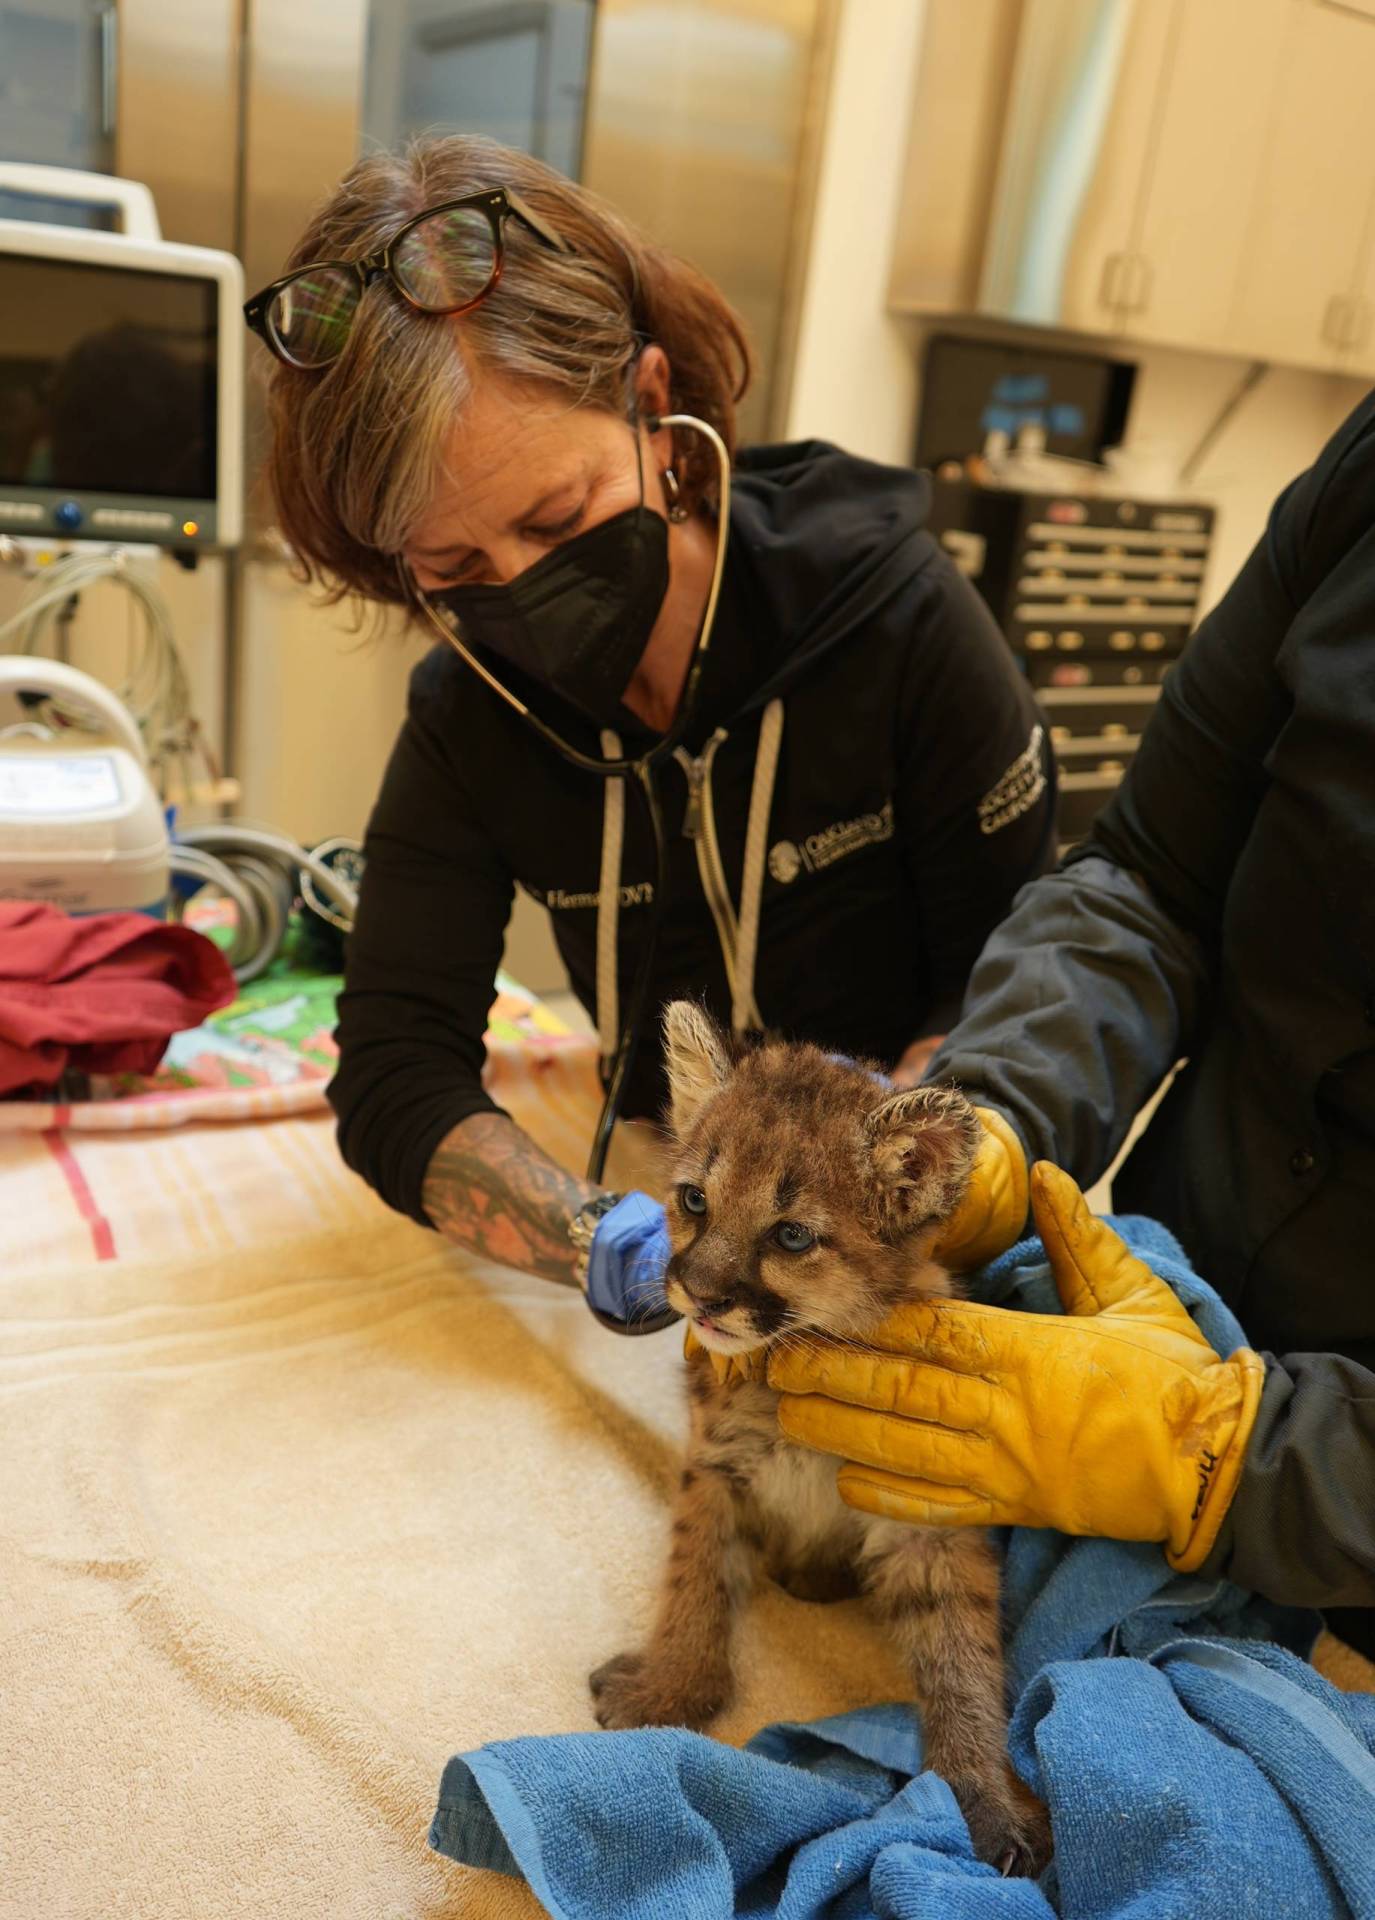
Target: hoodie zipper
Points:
(699, 826)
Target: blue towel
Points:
(1193, 1763)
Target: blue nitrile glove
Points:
(625, 1268)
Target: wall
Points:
(855, 373)
(857, 377)
(321, 705)
(1275, 434)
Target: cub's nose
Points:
(709, 1303)
(708, 1284)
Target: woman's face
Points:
(524, 471)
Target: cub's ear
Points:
(697, 1061)
(923, 1145)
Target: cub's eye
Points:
(793, 1237)
(693, 1199)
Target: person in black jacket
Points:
(864, 781)
(1220, 913)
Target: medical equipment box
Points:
(81, 827)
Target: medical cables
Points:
(156, 688)
(263, 873)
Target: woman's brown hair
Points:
(356, 448)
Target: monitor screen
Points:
(107, 379)
(972, 387)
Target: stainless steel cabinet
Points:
(57, 83)
(516, 70)
(57, 90)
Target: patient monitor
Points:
(121, 374)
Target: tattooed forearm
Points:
(490, 1189)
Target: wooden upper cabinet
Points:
(1085, 95)
(1197, 173)
(1299, 293)
(1357, 354)
(1203, 170)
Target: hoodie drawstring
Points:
(609, 905)
(744, 1008)
(739, 939)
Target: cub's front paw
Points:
(633, 1691)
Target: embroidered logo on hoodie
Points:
(1018, 790)
(787, 858)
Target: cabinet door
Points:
(1296, 295)
(1357, 314)
(1085, 95)
(1225, 71)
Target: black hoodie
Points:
(913, 794)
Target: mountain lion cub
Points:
(805, 1197)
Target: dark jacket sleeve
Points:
(1081, 1002)
(1093, 988)
(1301, 1527)
(422, 964)
(1100, 978)
(976, 784)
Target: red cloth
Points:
(104, 993)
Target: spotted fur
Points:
(788, 1136)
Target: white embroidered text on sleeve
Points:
(1018, 790)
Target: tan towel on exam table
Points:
(280, 1531)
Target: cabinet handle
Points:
(1107, 292)
(1138, 283)
(107, 27)
(1349, 313)
(1338, 320)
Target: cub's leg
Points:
(682, 1676)
(938, 1591)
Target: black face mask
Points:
(579, 619)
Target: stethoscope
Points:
(642, 769)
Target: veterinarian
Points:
(860, 782)
(1222, 912)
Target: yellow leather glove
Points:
(992, 1214)
(1116, 1420)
